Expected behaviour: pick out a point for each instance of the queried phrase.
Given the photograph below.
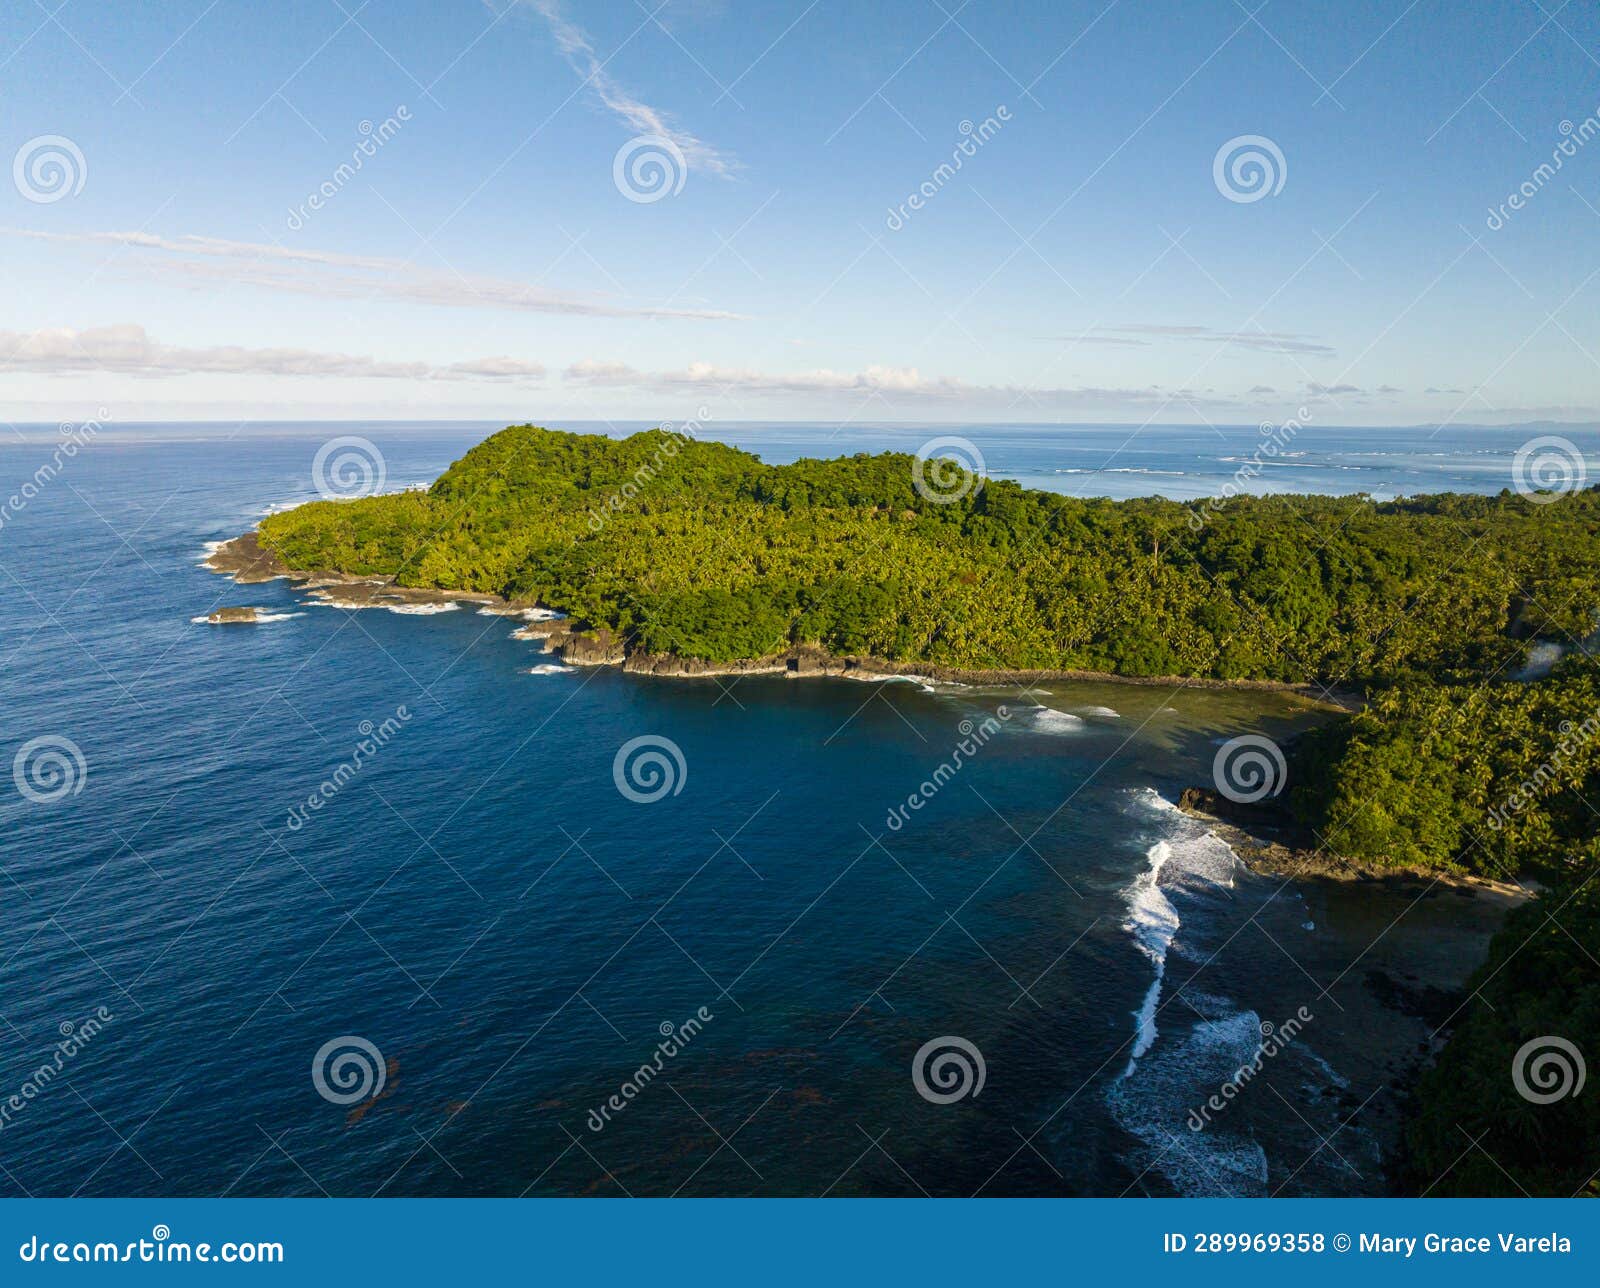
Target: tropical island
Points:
(1453, 623)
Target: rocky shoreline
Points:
(1271, 842)
(244, 559)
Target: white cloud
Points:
(196, 261)
(128, 349)
(639, 117)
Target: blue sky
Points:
(1086, 261)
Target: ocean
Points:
(355, 902)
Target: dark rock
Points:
(232, 616)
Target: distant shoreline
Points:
(244, 559)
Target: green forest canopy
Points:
(700, 549)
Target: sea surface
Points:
(453, 974)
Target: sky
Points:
(909, 210)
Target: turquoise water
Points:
(479, 902)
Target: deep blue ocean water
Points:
(480, 903)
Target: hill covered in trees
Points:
(703, 551)
(1497, 777)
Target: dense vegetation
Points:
(702, 550)
(1476, 1132)
(1495, 778)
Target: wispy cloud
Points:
(197, 262)
(640, 117)
(1105, 341)
(1259, 341)
(891, 384)
(128, 349)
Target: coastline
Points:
(1271, 843)
(243, 559)
(1386, 962)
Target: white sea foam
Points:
(527, 614)
(1049, 720)
(422, 610)
(1154, 1107)
(1191, 856)
(1103, 713)
(1154, 923)
(875, 678)
(207, 551)
(1164, 1079)
(1324, 1068)
(550, 668)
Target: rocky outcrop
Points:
(245, 561)
(233, 616)
(599, 648)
